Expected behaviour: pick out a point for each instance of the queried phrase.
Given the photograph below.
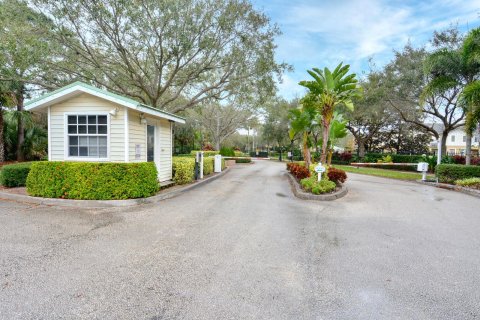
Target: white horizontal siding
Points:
(137, 136)
(91, 104)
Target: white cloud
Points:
(323, 33)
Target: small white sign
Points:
(320, 169)
(138, 152)
(289, 154)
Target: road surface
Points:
(243, 247)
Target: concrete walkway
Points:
(243, 247)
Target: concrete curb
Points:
(108, 203)
(299, 193)
(469, 191)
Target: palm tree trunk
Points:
(325, 134)
(20, 127)
(468, 149)
(306, 150)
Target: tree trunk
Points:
(2, 140)
(20, 128)
(468, 150)
(443, 144)
(361, 148)
(325, 133)
(306, 151)
(329, 159)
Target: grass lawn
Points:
(392, 174)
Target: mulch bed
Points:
(17, 190)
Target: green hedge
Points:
(183, 170)
(15, 175)
(208, 165)
(398, 167)
(227, 152)
(205, 153)
(450, 172)
(92, 180)
(396, 158)
(238, 160)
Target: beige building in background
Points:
(456, 142)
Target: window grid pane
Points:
(87, 136)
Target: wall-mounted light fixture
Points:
(114, 112)
(143, 120)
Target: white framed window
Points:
(453, 138)
(87, 136)
(464, 138)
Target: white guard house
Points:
(86, 123)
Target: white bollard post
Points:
(201, 165)
(439, 150)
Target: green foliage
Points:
(386, 159)
(227, 152)
(208, 165)
(469, 182)
(317, 187)
(185, 52)
(183, 170)
(449, 173)
(243, 160)
(15, 175)
(329, 90)
(239, 160)
(392, 174)
(447, 160)
(205, 153)
(372, 157)
(92, 180)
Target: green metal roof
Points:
(100, 91)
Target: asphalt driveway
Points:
(242, 247)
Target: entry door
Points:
(150, 143)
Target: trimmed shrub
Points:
(243, 160)
(317, 187)
(206, 153)
(451, 172)
(92, 180)
(336, 175)
(470, 182)
(385, 159)
(298, 171)
(183, 170)
(396, 158)
(259, 154)
(15, 175)
(227, 152)
(396, 166)
(239, 160)
(208, 165)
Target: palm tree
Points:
(471, 93)
(457, 70)
(302, 121)
(338, 130)
(329, 90)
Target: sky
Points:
(324, 33)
